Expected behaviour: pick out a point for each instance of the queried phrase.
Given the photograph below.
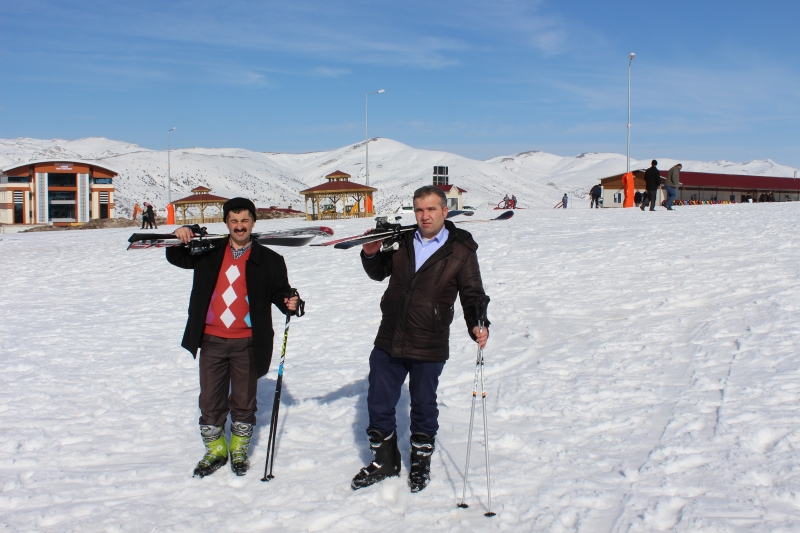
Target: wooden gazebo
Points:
(200, 198)
(325, 199)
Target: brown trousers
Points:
(228, 380)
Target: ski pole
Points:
(276, 403)
(481, 304)
(486, 441)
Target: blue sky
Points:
(711, 80)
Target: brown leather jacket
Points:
(418, 307)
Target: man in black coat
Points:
(431, 267)
(230, 321)
(595, 194)
(652, 182)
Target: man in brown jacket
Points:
(431, 267)
(672, 183)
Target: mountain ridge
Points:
(537, 178)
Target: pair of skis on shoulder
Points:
(204, 242)
(391, 233)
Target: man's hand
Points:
(371, 248)
(481, 336)
(291, 303)
(184, 234)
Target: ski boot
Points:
(241, 432)
(386, 461)
(422, 446)
(216, 451)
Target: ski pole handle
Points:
(481, 307)
(301, 305)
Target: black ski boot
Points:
(216, 451)
(241, 433)
(422, 446)
(386, 461)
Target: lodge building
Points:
(56, 192)
(704, 188)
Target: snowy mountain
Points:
(538, 179)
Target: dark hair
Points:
(238, 210)
(654, 162)
(237, 205)
(427, 190)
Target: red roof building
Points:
(323, 201)
(706, 187)
(200, 199)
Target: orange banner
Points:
(630, 191)
(170, 214)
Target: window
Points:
(18, 206)
(55, 179)
(101, 181)
(103, 205)
(19, 179)
(61, 206)
(440, 176)
(60, 196)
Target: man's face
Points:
(430, 215)
(240, 225)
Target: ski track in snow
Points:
(642, 375)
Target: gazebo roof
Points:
(201, 189)
(203, 198)
(338, 174)
(339, 186)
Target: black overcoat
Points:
(267, 284)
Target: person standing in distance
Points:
(431, 267)
(595, 194)
(671, 184)
(564, 201)
(652, 182)
(230, 321)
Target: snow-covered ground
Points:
(643, 374)
(538, 179)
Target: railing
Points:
(197, 220)
(338, 216)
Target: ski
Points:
(392, 233)
(204, 242)
(384, 220)
(503, 216)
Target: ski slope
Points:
(642, 368)
(538, 179)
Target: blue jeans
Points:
(386, 377)
(672, 193)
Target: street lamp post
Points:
(169, 168)
(629, 110)
(367, 131)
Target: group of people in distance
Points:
(509, 202)
(764, 197)
(230, 324)
(148, 215)
(652, 182)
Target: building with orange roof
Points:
(338, 198)
(58, 192)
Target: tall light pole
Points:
(169, 177)
(367, 130)
(629, 110)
